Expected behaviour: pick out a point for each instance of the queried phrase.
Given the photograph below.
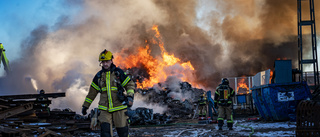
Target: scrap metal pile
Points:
(308, 113)
(177, 107)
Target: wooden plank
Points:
(8, 131)
(3, 106)
(18, 103)
(49, 132)
(16, 110)
(30, 96)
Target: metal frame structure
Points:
(314, 60)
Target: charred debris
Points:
(178, 107)
(25, 115)
(30, 115)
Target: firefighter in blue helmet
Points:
(223, 99)
(111, 82)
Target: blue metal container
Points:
(241, 99)
(277, 102)
(282, 71)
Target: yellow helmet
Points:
(105, 55)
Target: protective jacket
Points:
(105, 83)
(202, 100)
(223, 95)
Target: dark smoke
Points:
(19, 81)
(249, 47)
(234, 38)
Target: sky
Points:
(54, 45)
(20, 17)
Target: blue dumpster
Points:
(241, 99)
(277, 102)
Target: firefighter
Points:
(110, 82)
(44, 108)
(223, 100)
(202, 106)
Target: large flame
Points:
(243, 86)
(158, 68)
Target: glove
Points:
(84, 110)
(120, 95)
(130, 101)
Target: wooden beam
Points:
(30, 96)
(16, 110)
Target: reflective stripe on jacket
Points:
(202, 100)
(104, 83)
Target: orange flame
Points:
(271, 75)
(157, 68)
(242, 85)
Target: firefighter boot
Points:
(220, 124)
(105, 130)
(230, 126)
(123, 131)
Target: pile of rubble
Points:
(29, 115)
(177, 107)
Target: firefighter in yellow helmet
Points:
(203, 106)
(116, 94)
(223, 99)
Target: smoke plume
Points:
(220, 38)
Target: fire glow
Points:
(158, 68)
(243, 86)
(271, 75)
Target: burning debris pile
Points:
(148, 69)
(180, 104)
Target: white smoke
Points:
(33, 82)
(140, 101)
(75, 96)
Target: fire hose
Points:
(246, 127)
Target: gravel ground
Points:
(191, 128)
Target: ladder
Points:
(302, 60)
